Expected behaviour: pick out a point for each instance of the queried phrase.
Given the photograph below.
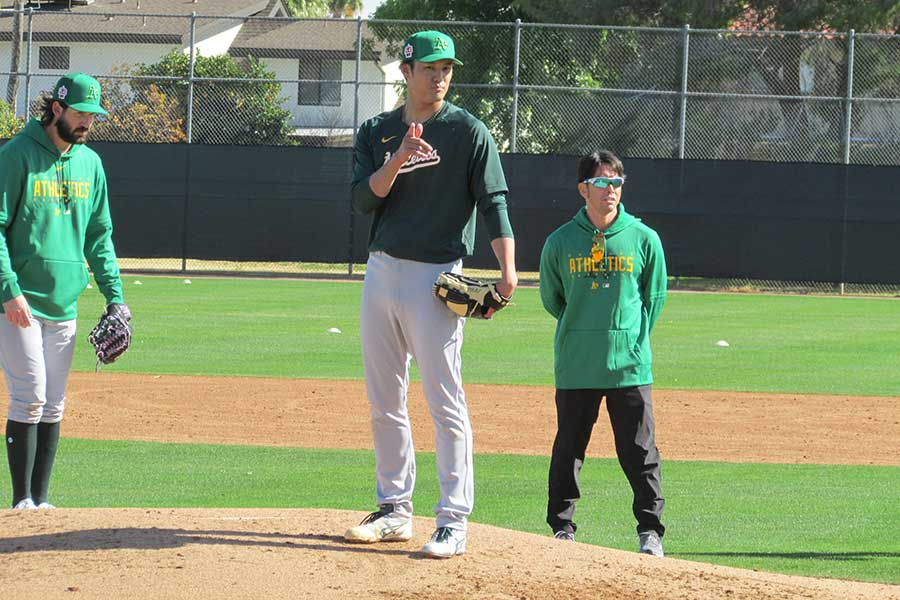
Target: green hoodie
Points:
(45, 239)
(606, 307)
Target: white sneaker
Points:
(45, 506)
(383, 525)
(650, 543)
(25, 504)
(566, 536)
(445, 542)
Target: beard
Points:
(70, 135)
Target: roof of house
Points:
(331, 38)
(131, 21)
(146, 7)
(164, 22)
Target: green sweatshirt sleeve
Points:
(653, 280)
(11, 182)
(496, 216)
(550, 281)
(363, 198)
(98, 245)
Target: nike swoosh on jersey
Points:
(385, 140)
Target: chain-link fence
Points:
(556, 89)
(646, 92)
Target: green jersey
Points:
(54, 213)
(429, 214)
(606, 299)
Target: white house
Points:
(311, 58)
(103, 37)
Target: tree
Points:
(307, 8)
(548, 120)
(487, 51)
(324, 8)
(873, 16)
(644, 13)
(818, 126)
(10, 125)
(145, 114)
(600, 61)
(224, 112)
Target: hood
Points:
(35, 131)
(623, 221)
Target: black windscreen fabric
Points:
(724, 219)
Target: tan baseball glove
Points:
(468, 297)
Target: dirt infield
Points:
(246, 553)
(691, 425)
(192, 554)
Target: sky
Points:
(369, 7)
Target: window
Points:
(319, 93)
(55, 58)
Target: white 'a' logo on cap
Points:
(408, 51)
(62, 92)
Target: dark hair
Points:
(45, 109)
(591, 162)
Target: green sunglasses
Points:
(604, 182)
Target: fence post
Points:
(356, 89)
(517, 44)
(682, 118)
(27, 107)
(190, 102)
(15, 50)
(848, 97)
(848, 129)
(190, 139)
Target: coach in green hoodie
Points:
(603, 277)
(54, 213)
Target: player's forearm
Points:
(364, 201)
(505, 250)
(382, 180)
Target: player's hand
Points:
(413, 144)
(506, 287)
(17, 311)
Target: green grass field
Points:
(827, 521)
(279, 328)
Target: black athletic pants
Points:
(631, 416)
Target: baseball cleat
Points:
(383, 525)
(566, 536)
(650, 543)
(445, 543)
(25, 504)
(45, 506)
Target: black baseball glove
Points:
(468, 297)
(112, 335)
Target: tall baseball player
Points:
(421, 171)
(603, 277)
(53, 213)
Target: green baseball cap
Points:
(80, 92)
(429, 46)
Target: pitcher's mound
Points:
(248, 553)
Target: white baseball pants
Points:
(401, 319)
(36, 361)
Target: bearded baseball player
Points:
(422, 171)
(54, 213)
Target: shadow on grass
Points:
(791, 555)
(152, 538)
